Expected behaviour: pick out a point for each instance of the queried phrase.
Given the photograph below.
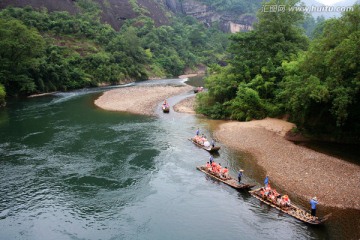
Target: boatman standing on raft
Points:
(240, 175)
(197, 132)
(211, 159)
(313, 203)
(266, 181)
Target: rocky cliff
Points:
(229, 22)
(115, 12)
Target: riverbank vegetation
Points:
(43, 51)
(276, 70)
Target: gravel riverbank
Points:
(298, 170)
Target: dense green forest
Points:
(277, 70)
(43, 51)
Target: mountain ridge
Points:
(116, 12)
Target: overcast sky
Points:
(328, 2)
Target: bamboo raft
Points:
(198, 89)
(209, 149)
(165, 108)
(230, 181)
(292, 210)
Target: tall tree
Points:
(20, 48)
(255, 66)
(322, 87)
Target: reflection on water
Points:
(197, 81)
(70, 170)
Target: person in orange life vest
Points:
(277, 196)
(165, 104)
(286, 200)
(213, 165)
(203, 139)
(262, 192)
(225, 172)
(208, 166)
(272, 198)
(216, 168)
(267, 189)
(219, 168)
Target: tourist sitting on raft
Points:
(165, 104)
(217, 170)
(200, 139)
(273, 196)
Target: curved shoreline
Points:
(298, 170)
(138, 100)
(186, 106)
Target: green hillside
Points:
(45, 51)
(276, 70)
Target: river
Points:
(70, 170)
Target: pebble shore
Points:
(298, 170)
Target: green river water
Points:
(70, 170)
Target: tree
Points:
(2, 95)
(20, 48)
(255, 68)
(77, 51)
(322, 86)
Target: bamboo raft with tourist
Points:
(225, 178)
(198, 89)
(202, 142)
(282, 203)
(165, 107)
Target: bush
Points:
(247, 105)
(2, 95)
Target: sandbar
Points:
(139, 99)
